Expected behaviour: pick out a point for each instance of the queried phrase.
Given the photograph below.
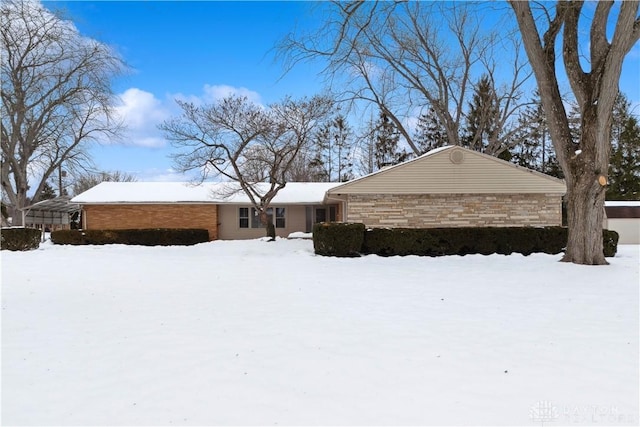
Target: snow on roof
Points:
(207, 192)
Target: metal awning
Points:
(52, 211)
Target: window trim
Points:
(242, 217)
(253, 221)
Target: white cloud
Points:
(217, 92)
(139, 107)
(153, 174)
(213, 93)
(142, 112)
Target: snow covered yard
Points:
(249, 332)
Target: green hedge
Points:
(464, 241)
(144, 237)
(20, 239)
(610, 242)
(447, 241)
(338, 239)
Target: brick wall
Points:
(119, 217)
(455, 210)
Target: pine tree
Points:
(333, 151)
(322, 163)
(386, 138)
(534, 148)
(624, 169)
(529, 151)
(430, 133)
(47, 192)
(481, 125)
(341, 135)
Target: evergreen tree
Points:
(386, 138)
(322, 163)
(333, 145)
(47, 192)
(624, 168)
(341, 135)
(481, 131)
(529, 151)
(430, 133)
(534, 149)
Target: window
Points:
(249, 217)
(255, 219)
(321, 215)
(243, 215)
(325, 214)
(279, 217)
(332, 213)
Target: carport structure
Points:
(53, 213)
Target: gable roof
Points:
(206, 192)
(453, 170)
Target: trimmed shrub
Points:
(20, 239)
(338, 239)
(143, 237)
(610, 242)
(464, 241)
(68, 237)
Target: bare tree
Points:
(584, 164)
(89, 180)
(252, 146)
(56, 97)
(406, 57)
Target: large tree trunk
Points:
(585, 173)
(268, 225)
(585, 164)
(18, 202)
(585, 214)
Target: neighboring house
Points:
(217, 207)
(623, 217)
(452, 187)
(447, 187)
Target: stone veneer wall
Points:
(455, 210)
(121, 217)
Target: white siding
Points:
(627, 228)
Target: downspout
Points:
(83, 219)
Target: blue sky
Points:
(204, 50)
(192, 50)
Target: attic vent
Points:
(456, 156)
